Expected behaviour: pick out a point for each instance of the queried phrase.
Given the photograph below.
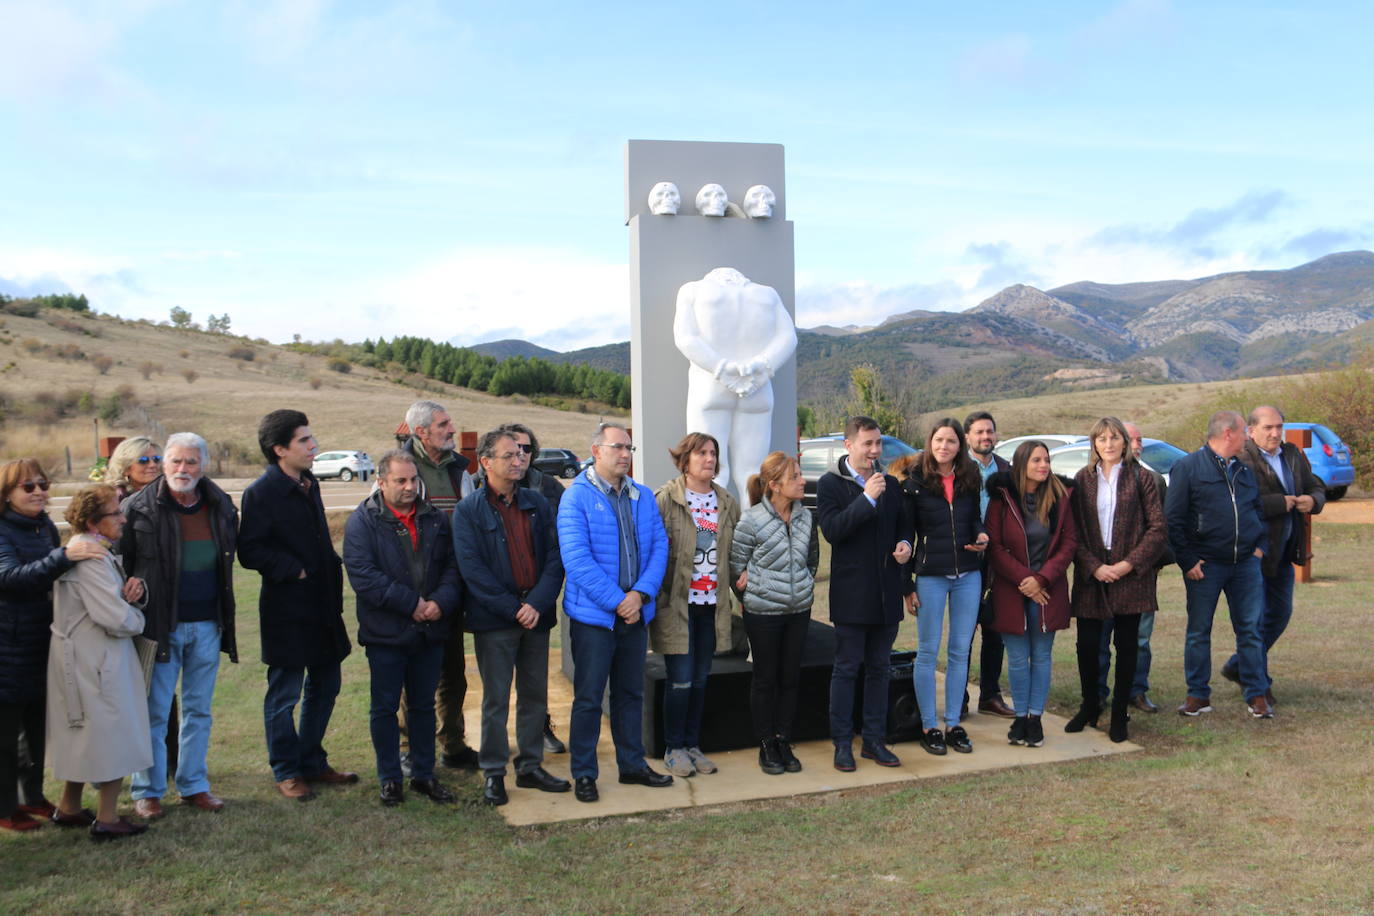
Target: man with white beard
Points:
(179, 538)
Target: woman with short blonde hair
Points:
(135, 463)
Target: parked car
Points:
(1007, 448)
(821, 454)
(344, 465)
(560, 462)
(1155, 454)
(1330, 458)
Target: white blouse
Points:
(1106, 501)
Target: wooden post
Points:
(1302, 438)
(467, 447)
(68, 450)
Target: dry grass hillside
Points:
(42, 382)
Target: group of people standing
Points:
(95, 636)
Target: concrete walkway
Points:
(740, 779)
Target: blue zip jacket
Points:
(1212, 510)
(589, 539)
(490, 598)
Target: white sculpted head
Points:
(664, 199)
(711, 200)
(758, 202)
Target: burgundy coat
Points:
(1009, 558)
(1138, 537)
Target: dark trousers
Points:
(299, 752)
(1125, 632)
(448, 696)
(685, 675)
(776, 642)
(603, 656)
(993, 653)
(870, 646)
(416, 670)
(502, 656)
(21, 770)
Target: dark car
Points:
(821, 454)
(560, 462)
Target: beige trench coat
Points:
(97, 697)
(668, 629)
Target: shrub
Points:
(69, 351)
(147, 369)
(184, 354)
(315, 382)
(24, 308)
(102, 363)
(247, 354)
(190, 375)
(33, 344)
(339, 364)
(66, 324)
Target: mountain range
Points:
(1086, 334)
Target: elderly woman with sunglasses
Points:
(135, 463)
(30, 562)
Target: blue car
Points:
(1330, 458)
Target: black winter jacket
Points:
(284, 532)
(490, 599)
(30, 562)
(390, 577)
(151, 550)
(943, 528)
(866, 583)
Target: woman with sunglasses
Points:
(30, 562)
(135, 463)
(97, 696)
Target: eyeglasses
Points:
(619, 446)
(145, 459)
(511, 456)
(29, 486)
(524, 447)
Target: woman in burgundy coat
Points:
(1120, 537)
(1031, 542)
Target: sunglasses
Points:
(146, 459)
(29, 486)
(525, 447)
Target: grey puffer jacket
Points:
(780, 557)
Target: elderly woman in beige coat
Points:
(97, 696)
(695, 602)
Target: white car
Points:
(1155, 454)
(344, 465)
(1052, 441)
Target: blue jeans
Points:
(684, 690)
(292, 752)
(962, 595)
(602, 656)
(1278, 610)
(1141, 684)
(1243, 585)
(417, 670)
(192, 654)
(1029, 657)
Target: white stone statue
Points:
(711, 200)
(758, 202)
(664, 199)
(736, 334)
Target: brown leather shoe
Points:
(203, 801)
(150, 809)
(1142, 702)
(19, 821)
(332, 777)
(296, 788)
(1259, 707)
(41, 811)
(1195, 706)
(1268, 695)
(996, 706)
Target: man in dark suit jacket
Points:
(1290, 494)
(863, 516)
(284, 537)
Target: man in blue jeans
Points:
(1216, 532)
(284, 536)
(614, 552)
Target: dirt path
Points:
(1348, 511)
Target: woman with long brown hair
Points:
(1032, 540)
(773, 562)
(1121, 534)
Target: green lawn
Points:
(1222, 814)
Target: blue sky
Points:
(455, 170)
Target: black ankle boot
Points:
(1087, 715)
(769, 761)
(789, 760)
(1120, 717)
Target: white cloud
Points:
(54, 50)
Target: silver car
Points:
(344, 465)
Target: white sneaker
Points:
(679, 762)
(700, 760)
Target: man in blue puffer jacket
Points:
(614, 551)
(1216, 532)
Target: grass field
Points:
(1224, 814)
